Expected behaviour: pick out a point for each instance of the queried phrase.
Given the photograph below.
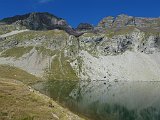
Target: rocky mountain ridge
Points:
(39, 21)
(47, 21)
(36, 21)
(124, 20)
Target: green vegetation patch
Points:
(11, 72)
(16, 52)
(60, 89)
(20, 103)
(38, 34)
(89, 34)
(45, 51)
(6, 29)
(121, 31)
(61, 69)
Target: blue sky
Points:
(77, 11)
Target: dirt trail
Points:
(13, 33)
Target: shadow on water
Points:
(106, 101)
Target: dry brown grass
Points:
(18, 102)
(11, 72)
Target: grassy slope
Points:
(11, 72)
(45, 51)
(16, 52)
(18, 102)
(61, 69)
(29, 35)
(6, 28)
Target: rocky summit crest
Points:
(40, 21)
(47, 21)
(125, 20)
(37, 21)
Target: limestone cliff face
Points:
(134, 40)
(125, 20)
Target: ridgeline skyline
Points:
(84, 11)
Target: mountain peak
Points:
(37, 21)
(124, 20)
(85, 27)
(10, 20)
(40, 21)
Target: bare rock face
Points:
(84, 27)
(124, 20)
(37, 21)
(107, 22)
(135, 40)
(40, 21)
(147, 22)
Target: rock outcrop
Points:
(84, 27)
(40, 21)
(37, 21)
(124, 20)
